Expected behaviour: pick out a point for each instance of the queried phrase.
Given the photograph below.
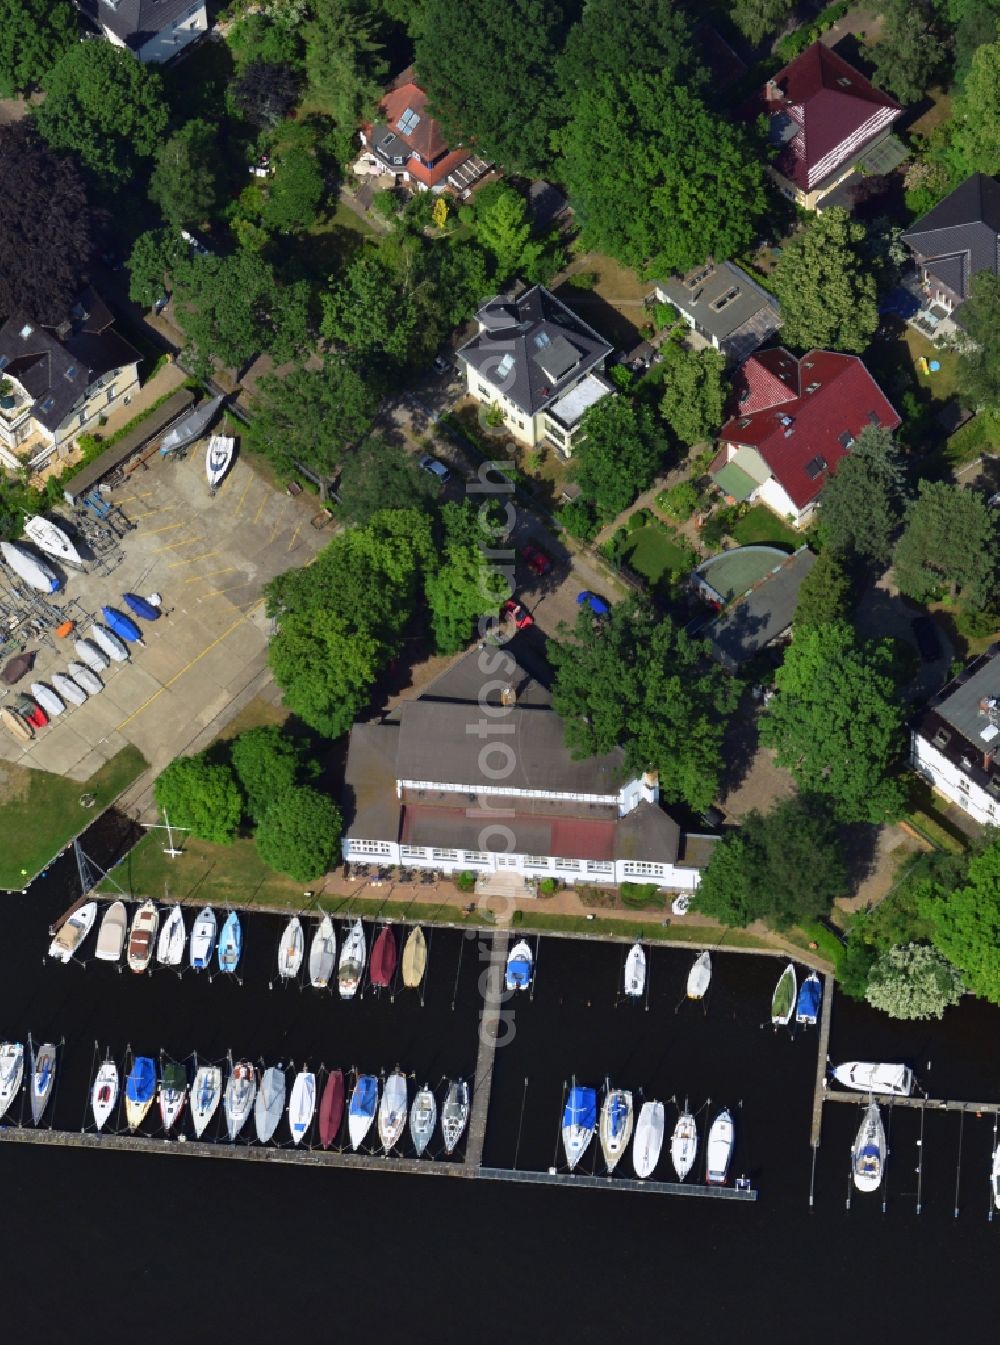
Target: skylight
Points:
(505, 365)
(408, 122)
(541, 340)
(815, 467)
(846, 439)
(26, 331)
(724, 299)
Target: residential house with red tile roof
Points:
(793, 422)
(825, 118)
(407, 141)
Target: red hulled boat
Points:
(331, 1109)
(383, 963)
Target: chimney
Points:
(773, 92)
(508, 696)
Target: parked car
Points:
(517, 613)
(435, 468)
(926, 636)
(597, 605)
(536, 560)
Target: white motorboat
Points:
(218, 459)
(290, 949)
(173, 936)
(90, 655)
(206, 1092)
(104, 1093)
(11, 1073)
(700, 976)
(648, 1142)
(302, 1105)
(43, 1075)
(51, 703)
(393, 1110)
(51, 539)
(995, 1177)
(111, 935)
(684, 1144)
(362, 1108)
(142, 936)
(68, 689)
(615, 1126)
(28, 567)
(423, 1119)
(72, 932)
(352, 961)
(85, 679)
(719, 1149)
(454, 1114)
(520, 966)
(173, 1093)
(202, 939)
(322, 954)
(868, 1154)
(867, 1076)
(108, 643)
(241, 1089)
(784, 997)
(635, 971)
(270, 1102)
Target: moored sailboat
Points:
(241, 1089)
(145, 923)
(104, 1093)
(71, 933)
(719, 1149)
(414, 958)
(520, 966)
(579, 1121)
(291, 947)
(173, 936)
(362, 1108)
(331, 1108)
(322, 954)
(866, 1076)
(202, 939)
(230, 944)
(868, 1154)
(43, 1075)
(11, 1073)
(352, 961)
(423, 1118)
(206, 1092)
(648, 1142)
(684, 1144)
(173, 1093)
(615, 1125)
(783, 999)
(140, 1089)
(810, 1000)
(635, 971)
(393, 1110)
(302, 1105)
(454, 1114)
(382, 967)
(270, 1102)
(700, 976)
(111, 935)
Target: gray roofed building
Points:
(955, 740)
(957, 239)
(153, 30)
(725, 306)
(761, 616)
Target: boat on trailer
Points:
(70, 935)
(783, 999)
(867, 1076)
(868, 1155)
(700, 976)
(635, 971)
(30, 568)
(615, 1126)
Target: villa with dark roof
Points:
(955, 741)
(956, 240)
(152, 30)
(475, 776)
(539, 364)
(725, 306)
(793, 422)
(825, 119)
(56, 382)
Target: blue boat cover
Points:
(232, 934)
(810, 998)
(364, 1098)
(142, 1080)
(141, 606)
(519, 972)
(121, 624)
(617, 1114)
(581, 1108)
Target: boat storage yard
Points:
(160, 529)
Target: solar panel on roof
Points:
(408, 121)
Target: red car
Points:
(520, 616)
(537, 561)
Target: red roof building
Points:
(406, 140)
(794, 421)
(824, 116)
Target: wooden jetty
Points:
(489, 1027)
(594, 1183)
(920, 1103)
(822, 1055)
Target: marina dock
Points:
(822, 1055)
(489, 1026)
(919, 1103)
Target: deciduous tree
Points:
(639, 682)
(965, 925)
(379, 475)
(913, 980)
(312, 416)
(266, 92)
(187, 180)
(33, 35)
(910, 50)
(949, 544)
(824, 595)
(299, 833)
(825, 286)
(836, 724)
(151, 259)
(757, 19)
(465, 586)
(979, 358)
(647, 39)
(295, 191)
(693, 403)
(618, 455)
(267, 763)
(202, 797)
(45, 227)
(975, 127)
(373, 311)
(501, 226)
(863, 501)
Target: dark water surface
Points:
(114, 1247)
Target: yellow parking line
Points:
(207, 650)
(274, 531)
(260, 507)
(167, 527)
(191, 559)
(244, 495)
(211, 574)
(172, 546)
(295, 536)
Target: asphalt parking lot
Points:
(209, 559)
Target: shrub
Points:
(621, 376)
(465, 881)
(640, 519)
(794, 44)
(299, 833)
(583, 280)
(664, 316)
(547, 887)
(579, 520)
(642, 896)
(679, 501)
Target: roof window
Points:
(846, 439)
(541, 340)
(942, 737)
(505, 365)
(71, 371)
(724, 300)
(873, 418)
(698, 278)
(408, 122)
(26, 331)
(48, 404)
(813, 387)
(815, 467)
(844, 82)
(744, 422)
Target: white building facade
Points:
(955, 744)
(154, 31)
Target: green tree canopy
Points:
(295, 191)
(836, 724)
(641, 683)
(965, 925)
(187, 182)
(784, 867)
(501, 226)
(618, 456)
(105, 106)
(824, 594)
(979, 358)
(345, 65)
(975, 125)
(648, 39)
(913, 980)
(824, 284)
(863, 501)
(267, 92)
(267, 763)
(299, 833)
(653, 174)
(976, 22)
(373, 309)
(33, 36)
(757, 19)
(949, 544)
(910, 50)
(312, 415)
(694, 400)
(466, 585)
(152, 257)
(202, 797)
(460, 48)
(379, 475)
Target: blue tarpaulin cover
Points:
(364, 1098)
(121, 624)
(141, 1080)
(141, 606)
(519, 972)
(810, 998)
(581, 1108)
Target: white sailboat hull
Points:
(635, 971)
(90, 655)
(33, 571)
(205, 1094)
(108, 643)
(11, 1073)
(47, 699)
(43, 1076)
(302, 1105)
(218, 459)
(136, 1112)
(68, 689)
(392, 1110)
(454, 1115)
(423, 1119)
(700, 976)
(71, 934)
(322, 954)
(352, 961)
(995, 1177)
(684, 1145)
(202, 940)
(85, 679)
(290, 949)
(648, 1142)
(613, 1145)
(868, 1155)
(719, 1149)
(104, 1094)
(170, 945)
(241, 1089)
(270, 1103)
(51, 539)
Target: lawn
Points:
(978, 436)
(40, 813)
(654, 553)
(217, 875)
(758, 525)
